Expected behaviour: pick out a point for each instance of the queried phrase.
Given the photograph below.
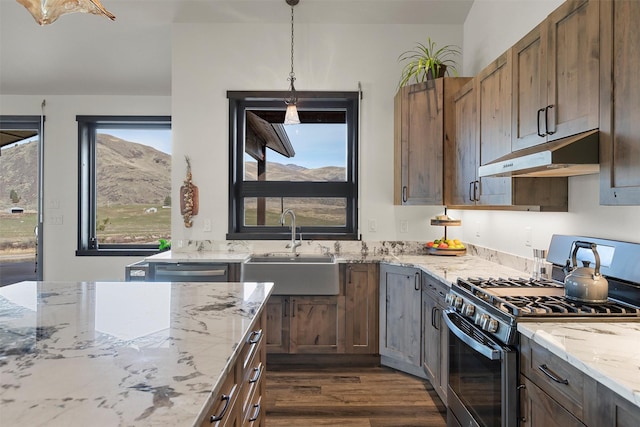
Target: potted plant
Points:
(427, 62)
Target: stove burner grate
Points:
(560, 306)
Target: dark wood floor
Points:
(350, 397)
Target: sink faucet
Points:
(294, 244)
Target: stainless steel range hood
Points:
(574, 155)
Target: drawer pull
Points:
(256, 376)
(256, 414)
(226, 398)
(255, 336)
(548, 372)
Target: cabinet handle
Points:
(475, 190)
(285, 307)
(548, 372)
(433, 317)
(541, 135)
(470, 187)
(226, 398)
(349, 274)
(293, 308)
(416, 282)
(256, 414)
(256, 377)
(254, 337)
(546, 120)
(404, 193)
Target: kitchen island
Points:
(120, 354)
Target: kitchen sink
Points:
(293, 274)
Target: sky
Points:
(316, 145)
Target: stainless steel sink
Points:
(294, 274)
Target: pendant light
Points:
(291, 115)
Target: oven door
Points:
(483, 377)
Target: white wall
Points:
(61, 176)
(208, 60)
(490, 29)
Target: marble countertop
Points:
(444, 268)
(609, 352)
(119, 354)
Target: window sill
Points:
(117, 252)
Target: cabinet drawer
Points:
(222, 411)
(560, 380)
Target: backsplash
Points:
(338, 247)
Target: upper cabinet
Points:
(556, 76)
(483, 134)
(620, 103)
(424, 121)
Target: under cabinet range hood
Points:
(574, 155)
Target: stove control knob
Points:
(449, 298)
(492, 326)
(482, 320)
(468, 309)
(457, 303)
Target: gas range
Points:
(496, 305)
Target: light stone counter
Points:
(609, 352)
(199, 256)
(119, 354)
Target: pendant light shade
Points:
(291, 116)
(47, 11)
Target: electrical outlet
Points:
(404, 226)
(528, 236)
(477, 228)
(373, 227)
(207, 225)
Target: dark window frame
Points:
(239, 101)
(87, 208)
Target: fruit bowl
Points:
(445, 246)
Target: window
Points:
(124, 184)
(310, 168)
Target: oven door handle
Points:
(488, 352)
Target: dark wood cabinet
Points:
(620, 103)
(424, 121)
(556, 76)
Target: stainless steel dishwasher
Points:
(188, 272)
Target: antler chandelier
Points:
(47, 11)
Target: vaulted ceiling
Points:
(88, 54)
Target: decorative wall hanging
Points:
(188, 198)
(47, 11)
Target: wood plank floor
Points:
(350, 397)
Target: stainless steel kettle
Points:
(586, 284)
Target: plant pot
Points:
(442, 70)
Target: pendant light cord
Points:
(292, 76)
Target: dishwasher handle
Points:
(199, 273)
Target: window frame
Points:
(239, 102)
(87, 192)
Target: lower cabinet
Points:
(537, 408)
(400, 318)
(361, 316)
(305, 324)
(434, 340)
(555, 393)
(238, 403)
(346, 323)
